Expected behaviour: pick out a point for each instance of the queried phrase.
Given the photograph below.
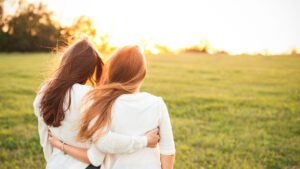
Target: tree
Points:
(29, 29)
(82, 25)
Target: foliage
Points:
(226, 111)
(32, 28)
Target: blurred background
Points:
(233, 27)
(229, 72)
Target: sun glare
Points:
(154, 50)
(252, 26)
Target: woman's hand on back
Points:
(153, 138)
(54, 141)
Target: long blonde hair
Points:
(123, 74)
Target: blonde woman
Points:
(118, 104)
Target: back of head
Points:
(124, 72)
(126, 66)
(80, 63)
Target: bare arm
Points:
(167, 161)
(82, 154)
(76, 152)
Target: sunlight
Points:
(180, 24)
(154, 50)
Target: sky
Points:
(236, 26)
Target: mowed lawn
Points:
(226, 111)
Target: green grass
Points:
(226, 111)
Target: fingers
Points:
(153, 131)
(157, 138)
(149, 132)
(155, 141)
(156, 130)
(152, 146)
(153, 138)
(49, 133)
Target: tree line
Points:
(32, 29)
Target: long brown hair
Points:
(80, 63)
(124, 72)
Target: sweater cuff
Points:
(167, 149)
(95, 156)
(143, 140)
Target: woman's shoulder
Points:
(43, 87)
(157, 99)
(151, 96)
(78, 86)
(38, 98)
(79, 90)
(141, 98)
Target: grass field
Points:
(226, 111)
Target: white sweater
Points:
(67, 132)
(135, 114)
